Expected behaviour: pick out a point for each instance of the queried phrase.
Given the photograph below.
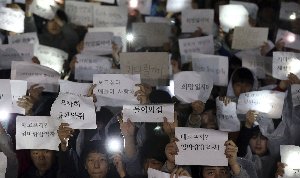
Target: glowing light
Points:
(4, 115)
(293, 16)
(130, 37)
(157, 128)
(291, 38)
(133, 4)
(294, 65)
(114, 145)
(171, 88)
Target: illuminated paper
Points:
(98, 43)
(12, 20)
(24, 38)
(290, 154)
(197, 146)
(119, 33)
(295, 89)
(153, 173)
(88, 65)
(193, 19)
(143, 6)
(77, 111)
(3, 164)
(269, 102)
(15, 52)
(287, 9)
(251, 8)
(80, 13)
(51, 57)
(249, 37)
(18, 90)
(116, 89)
(36, 132)
(291, 40)
(233, 15)
(285, 63)
(151, 19)
(216, 66)
(36, 74)
(5, 96)
(227, 117)
(190, 86)
(107, 1)
(110, 16)
(44, 8)
(74, 88)
(178, 5)
(150, 34)
(148, 113)
(257, 64)
(153, 66)
(204, 45)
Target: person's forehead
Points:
(96, 155)
(213, 168)
(40, 150)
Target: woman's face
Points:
(258, 145)
(239, 88)
(96, 165)
(215, 172)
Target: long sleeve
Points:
(69, 164)
(12, 162)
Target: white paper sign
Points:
(266, 101)
(116, 89)
(36, 132)
(290, 154)
(98, 43)
(216, 66)
(24, 38)
(74, 88)
(78, 111)
(89, 65)
(288, 9)
(249, 37)
(119, 33)
(227, 117)
(150, 34)
(204, 45)
(153, 66)
(257, 64)
(190, 86)
(198, 146)
(12, 20)
(285, 63)
(295, 89)
(193, 19)
(44, 8)
(35, 74)
(153, 173)
(233, 15)
(15, 52)
(110, 16)
(148, 113)
(151, 19)
(291, 40)
(5, 96)
(51, 57)
(107, 1)
(3, 165)
(18, 90)
(80, 13)
(178, 5)
(144, 6)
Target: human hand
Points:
(198, 107)
(250, 118)
(143, 93)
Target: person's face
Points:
(53, 28)
(170, 151)
(208, 120)
(258, 145)
(215, 172)
(42, 159)
(239, 88)
(153, 163)
(96, 165)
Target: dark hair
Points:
(160, 96)
(243, 75)
(104, 115)
(62, 15)
(202, 167)
(93, 147)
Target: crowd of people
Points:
(251, 152)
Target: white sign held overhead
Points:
(285, 63)
(290, 154)
(98, 43)
(295, 89)
(5, 97)
(151, 19)
(110, 16)
(153, 173)
(36, 132)
(291, 40)
(289, 10)
(80, 13)
(190, 86)
(257, 64)
(116, 89)
(44, 8)
(24, 38)
(12, 20)
(216, 66)
(178, 5)
(78, 111)
(18, 90)
(3, 164)
(204, 45)
(197, 146)
(198, 18)
(74, 88)
(148, 113)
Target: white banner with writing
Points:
(80, 13)
(110, 16)
(290, 154)
(44, 8)
(12, 20)
(227, 117)
(249, 37)
(18, 90)
(285, 63)
(197, 18)
(98, 43)
(74, 88)
(295, 89)
(5, 96)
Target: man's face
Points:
(258, 145)
(42, 159)
(215, 172)
(96, 165)
(239, 88)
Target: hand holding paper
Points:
(64, 133)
